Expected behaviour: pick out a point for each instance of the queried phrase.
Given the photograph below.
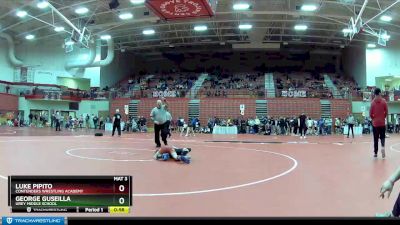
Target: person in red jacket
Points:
(378, 114)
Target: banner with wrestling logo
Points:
(294, 94)
(164, 94)
(182, 9)
(32, 220)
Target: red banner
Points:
(180, 9)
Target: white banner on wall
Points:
(242, 108)
(367, 96)
(294, 94)
(164, 94)
(126, 107)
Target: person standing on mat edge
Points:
(378, 114)
(302, 126)
(159, 116)
(350, 123)
(58, 121)
(117, 123)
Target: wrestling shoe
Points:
(375, 155)
(383, 152)
(185, 159)
(386, 214)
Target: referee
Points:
(159, 115)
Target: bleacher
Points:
(313, 85)
(238, 85)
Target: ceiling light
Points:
(245, 26)
(105, 37)
(58, 29)
(137, 2)
(21, 14)
(200, 28)
(386, 18)
(42, 4)
(70, 42)
(81, 10)
(371, 45)
(309, 8)
(347, 30)
(29, 37)
(300, 27)
(241, 6)
(149, 32)
(125, 16)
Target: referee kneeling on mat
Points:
(159, 116)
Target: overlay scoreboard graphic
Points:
(70, 194)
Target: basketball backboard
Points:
(383, 37)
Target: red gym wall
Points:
(8, 102)
(278, 107)
(225, 108)
(179, 107)
(119, 104)
(229, 108)
(340, 108)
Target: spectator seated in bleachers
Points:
(233, 85)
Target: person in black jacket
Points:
(303, 125)
(295, 125)
(30, 119)
(243, 124)
(95, 121)
(117, 122)
(282, 124)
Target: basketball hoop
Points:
(85, 37)
(382, 37)
(68, 45)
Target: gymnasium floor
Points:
(274, 177)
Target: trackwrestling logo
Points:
(33, 220)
